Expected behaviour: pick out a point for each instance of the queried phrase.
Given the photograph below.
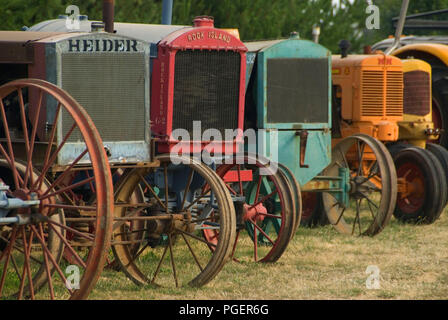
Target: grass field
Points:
(322, 264)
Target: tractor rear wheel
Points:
(33, 140)
(373, 182)
(441, 154)
(267, 211)
(425, 194)
(183, 198)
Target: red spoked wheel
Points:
(45, 137)
(265, 208)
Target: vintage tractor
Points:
(197, 77)
(389, 99)
(432, 49)
(57, 192)
(289, 100)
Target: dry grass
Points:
(322, 264)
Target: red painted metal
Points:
(232, 176)
(202, 36)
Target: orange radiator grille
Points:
(382, 93)
(394, 94)
(372, 93)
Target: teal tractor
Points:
(288, 102)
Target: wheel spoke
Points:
(196, 237)
(65, 173)
(264, 199)
(262, 232)
(52, 259)
(240, 182)
(8, 255)
(360, 156)
(165, 173)
(153, 192)
(187, 188)
(68, 246)
(159, 264)
(172, 260)
(52, 159)
(86, 236)
(32, 141)
(8, 139)
(47, 266)
(65, 189)
(192, 252)
(50, 144)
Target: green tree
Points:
(255, 19)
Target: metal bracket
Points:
(303, 140)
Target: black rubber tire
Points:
(442, 155)
(434, 185)
(440, 99)
(395, 148)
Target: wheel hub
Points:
(254, 213)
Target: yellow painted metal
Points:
(416, 129)
(438, 50)
(371, 91)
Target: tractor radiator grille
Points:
(111, 87)
(297, 90)
(417, 93)
(394, 94)
(206, 89)
(382, 95)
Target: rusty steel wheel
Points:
(32, 144)
(182, 198)
(266, 209)
(371, 188)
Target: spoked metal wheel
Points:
(182, 198)
(297, 195)
(33, 143)
(266, 209)
(372, 189)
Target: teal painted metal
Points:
(288, 48)
(284, 145)
(281, 140)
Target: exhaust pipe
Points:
(316, 33)
(167, 11)
(108, 15)
(400, 26)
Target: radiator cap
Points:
(203, 21)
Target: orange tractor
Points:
(390, 99)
